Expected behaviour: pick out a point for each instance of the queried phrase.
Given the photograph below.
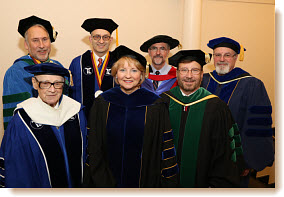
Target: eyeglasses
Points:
(161, 49)
(47, 85)
(225, 56)
(99, 37)
(194, 71)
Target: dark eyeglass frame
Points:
(56, 85)
(98, 37)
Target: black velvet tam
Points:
(99, 23)
(157, 39)
(26, 23)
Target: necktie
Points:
(100, 62)
(155, 83)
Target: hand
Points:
(97, 93)
(245, 172)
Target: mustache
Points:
(222, 63)
(188, 80)
(41, 50)
(158, 56)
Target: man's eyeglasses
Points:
(155, 49)
(194, 71)
(47, 85)
(225, 56)
(99, 37)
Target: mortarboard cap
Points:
(157, 39)
(229, 43)
(47, 69)
(194, 55)
(99, 23)
(122, 51)
(26, 23)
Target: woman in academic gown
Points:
(130, 139)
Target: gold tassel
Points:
(179, 46)
(242, 53)
(71, 78)
(54, 33)
(116, 36)
(207, 58)
(147, 70)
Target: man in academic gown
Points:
(92, 70)
(206, 137)
(161, 76)
(17, 86)
(248, 101)
(45, 142)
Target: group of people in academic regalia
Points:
(112, 120)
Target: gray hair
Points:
(39, 25)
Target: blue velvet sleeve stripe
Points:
(259, 132)
(169, 172)
(168, 136)
(261, 109)
(260, 121)
(169, 153)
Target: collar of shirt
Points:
(183, 94)
(97, 58)
(163, 71)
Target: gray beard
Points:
(222, 70)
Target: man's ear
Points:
(35, 84)
(26, 45)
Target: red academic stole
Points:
(171, 74)
(99, 76)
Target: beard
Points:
(222, 68)
(188, 89)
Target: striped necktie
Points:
(155, 83)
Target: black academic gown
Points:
(207, 140)
(130, 142)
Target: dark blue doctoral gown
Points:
(249, 103)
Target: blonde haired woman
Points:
(130, 139)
